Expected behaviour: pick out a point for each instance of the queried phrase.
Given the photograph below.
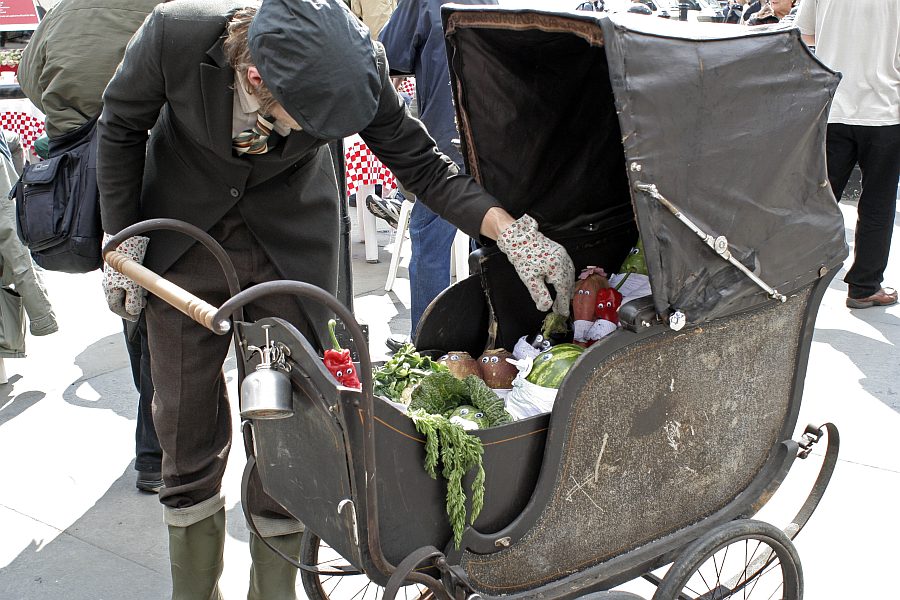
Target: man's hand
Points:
(539, 260)
(125, 297)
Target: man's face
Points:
(283, 117)
(277, 111)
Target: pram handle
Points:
(194, 307)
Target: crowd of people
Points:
(261, 90)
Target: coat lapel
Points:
(216, 80)
(291, 149)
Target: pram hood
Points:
(568, 115)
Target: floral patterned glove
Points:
(539, 260)
(125, 297)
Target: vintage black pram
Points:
(667, 435)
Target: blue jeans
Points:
(429, 266)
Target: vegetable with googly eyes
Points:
(584, 301)
(461, 364)
(339, 362)
(496, 372)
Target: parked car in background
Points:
(697, 10)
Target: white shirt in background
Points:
(861, 40)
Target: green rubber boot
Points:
(272, 577)
(195, 553)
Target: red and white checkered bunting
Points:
(363, 168)
(409, 86)
(28, 127)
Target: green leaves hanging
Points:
(459, 452)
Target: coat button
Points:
(235, 192)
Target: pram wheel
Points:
(316, 553)
(740, 559)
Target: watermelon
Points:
(551, 366)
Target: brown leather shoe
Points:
(883, 297)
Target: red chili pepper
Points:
(608, 302)
(339, 362)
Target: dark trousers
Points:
(147, 453)
(877, 150)
(191, 407)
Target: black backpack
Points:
(58, 207)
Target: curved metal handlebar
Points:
(197, 309)
(189, 230)
(316, 294)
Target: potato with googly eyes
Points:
(461, 364)
(496, 372)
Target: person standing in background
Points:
(861, 40)
(373, 13)
(18, 270)
(751, 9)
(414, 44)
(734, 11)
(71, 57)
(776, 11)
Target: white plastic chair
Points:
(459, 251)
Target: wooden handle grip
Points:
(189, 304)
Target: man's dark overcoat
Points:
(175, 81)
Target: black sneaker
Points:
(385, 208)
(149, 481)
(395, 342)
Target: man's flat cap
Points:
(318, 61)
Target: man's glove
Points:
(539, 260)
(125, 297)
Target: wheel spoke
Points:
(714, 561)
(338, 581)
(319, 586)
(757, 579)
(722, 566)
(708, 587)
(362, 591)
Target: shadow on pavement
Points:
(103, 385)
(876, 359)
(235, 524)
(12, 406)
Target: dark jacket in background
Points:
(73, 53)
(750, 10)
(414, 43)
